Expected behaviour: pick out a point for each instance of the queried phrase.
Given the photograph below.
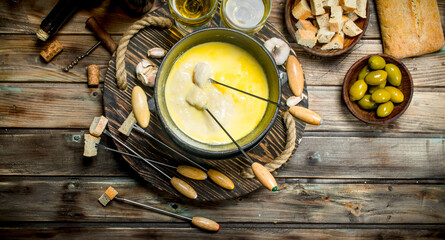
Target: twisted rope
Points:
(121, 72)
(291, 133)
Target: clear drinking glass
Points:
(248, 16)
(192, 15)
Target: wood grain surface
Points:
(391, 176)
(118, 105)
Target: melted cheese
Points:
(237, 112)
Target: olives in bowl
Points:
(377, 89)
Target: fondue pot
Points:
(254, 48)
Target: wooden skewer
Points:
(184, 170)
(180, 185)
(304, 114)
(201, 222)
(216, 176)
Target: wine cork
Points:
(51, 51)
(93, 75)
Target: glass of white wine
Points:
(248, 16)
(192, 15)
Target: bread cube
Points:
(351, 29)
(335, 43)
(317, 7)
(348, 5)
(302, 10)
(335, 20)
(305, 25)
(306, 38)
(361, 8)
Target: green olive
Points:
(367, 103)
(362, 74)
(372, 89)
(394, 74)
(376, 77)
(376, 62)
(357, 90)
(385, 109)
(381, 96)
(396, 94)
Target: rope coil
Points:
(121, 72)
(121, 81)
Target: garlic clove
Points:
(156, 52)
(279, 50)
(146, 72)
(293, 100)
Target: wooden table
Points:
(347, 179)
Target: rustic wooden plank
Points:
(427, 71)
(25, 16)
(73, 106)
(254, 232)
(59, 153)
(20, 62)
(75, 200)
(425, 114)
(49, 105)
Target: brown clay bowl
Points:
(349, 42)
(370, 116)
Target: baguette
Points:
(410, 28)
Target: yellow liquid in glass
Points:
(238, 112)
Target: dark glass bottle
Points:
(63, 10)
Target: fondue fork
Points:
(183, 187)
(301, 113)
(263, 175)
(216, 176)
(186, 171)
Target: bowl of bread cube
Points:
(327, 27)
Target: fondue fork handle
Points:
(179, 184)
(263, 175)
(301, 113)
(216, 176)
(184, 170)
(141, 130)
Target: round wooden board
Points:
(118, 105)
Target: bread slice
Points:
(361, 8)
(302, 10)
(323, 20)
(324, 35)
(330, 3)
(352, 15)
(350, 29)
(90, 145)
(348, 5)
(306, 38)
(98, 126)
(335, 20)
(335, 43)
(305, 25)
(128, 124)
(317, 7)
